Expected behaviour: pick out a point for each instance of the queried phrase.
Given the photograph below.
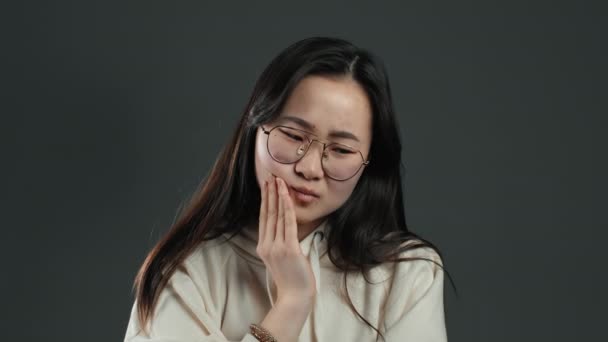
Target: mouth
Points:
(305, 191)
(302, 195)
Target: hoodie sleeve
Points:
(179, 316)
(414, 310)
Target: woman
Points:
(299, 233)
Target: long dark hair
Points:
(369, 229)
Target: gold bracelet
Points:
(261, 334)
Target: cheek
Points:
(341, 191)
(265, 166)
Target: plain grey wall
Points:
(114, 111)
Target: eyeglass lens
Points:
(287, 145)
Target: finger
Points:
(271, 218)
(280, 234)
(262, 218)
(291, 224)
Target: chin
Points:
(302, 219)
(306, 218)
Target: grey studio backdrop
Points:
(115, 111)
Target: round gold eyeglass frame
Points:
(325, 144)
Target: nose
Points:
(310, 165)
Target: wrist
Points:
(295, 304)
(287, 317)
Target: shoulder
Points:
(420, 257)
(416, 278)
(200, 271)
(417, 249)
(414, 305)
(208, 255)
(415, 266)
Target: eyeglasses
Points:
(287, 145)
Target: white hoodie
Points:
(223, 287)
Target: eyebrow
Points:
(311, 127)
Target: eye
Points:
(291, 135)
(294, 137)
(342, 150)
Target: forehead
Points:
(334, 108)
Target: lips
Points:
(306, 191)
(301, 189)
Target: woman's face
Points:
(320, 105)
